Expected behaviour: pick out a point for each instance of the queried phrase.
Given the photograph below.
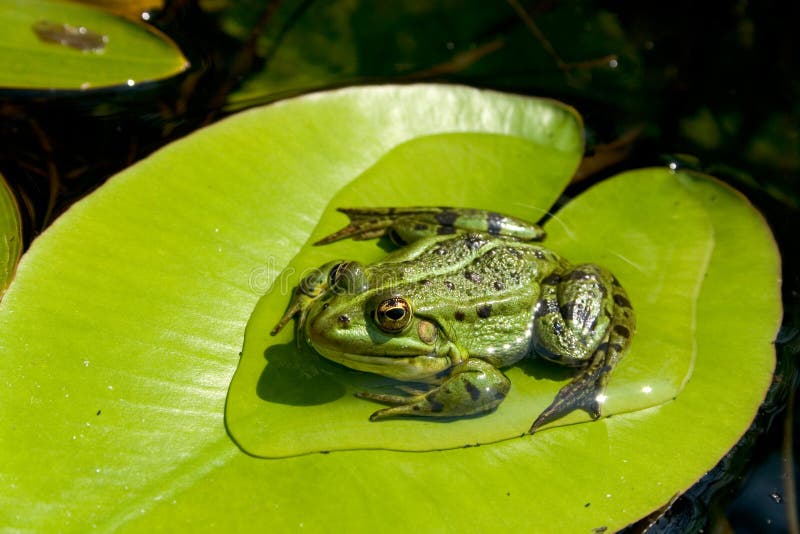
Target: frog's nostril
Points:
(344, 320)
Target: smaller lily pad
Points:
(284, 401)
(49, 44)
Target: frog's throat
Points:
(421, 368)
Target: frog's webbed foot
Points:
(584, 316)
(296, 308)
(582, 393)
(406, 225)
(474, 387)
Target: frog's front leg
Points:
(407, 225)
(473, 387)
(584, 319)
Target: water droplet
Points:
(86, 363)
(131, 83)
(613, 63)
(775, 496)
(647, 389)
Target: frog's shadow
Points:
(295, 377)
(300, 377)
(540, 369)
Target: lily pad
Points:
(50, 44)
(10, 235)
(122, 328)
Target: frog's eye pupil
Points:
(393, 315)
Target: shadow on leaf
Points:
(541, 369)
(295, 377)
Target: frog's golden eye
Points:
(393, 315)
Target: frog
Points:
(467, 293)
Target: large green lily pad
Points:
(123, 327)
(110, 50)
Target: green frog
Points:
(468, 293)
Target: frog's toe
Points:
(411, 390)
(385, 399)
(573, 396)
(394, 411)
(399, 405)
(430, 405)
(403, 405)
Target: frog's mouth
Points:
(415, 368)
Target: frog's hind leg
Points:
(475, 387)
(592, 326)
(581, 393)
(407, 225)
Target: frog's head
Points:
(376, 330)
